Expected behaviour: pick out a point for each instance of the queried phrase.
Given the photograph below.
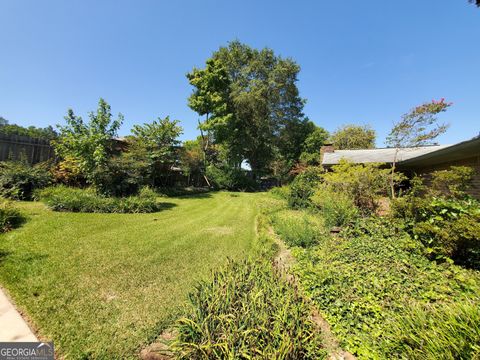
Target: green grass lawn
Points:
(104, 285)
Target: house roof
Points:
(462, 150)
(384, 155)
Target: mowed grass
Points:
(105, 285)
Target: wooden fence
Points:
(17, 147)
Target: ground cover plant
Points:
(105, 285)
(64, 198)
(370, 283)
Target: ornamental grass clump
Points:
(247, 311)
(298, 228)
(63, 198)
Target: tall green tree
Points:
(351, 137)
(249, 97)
(89, 143)
(211, 100)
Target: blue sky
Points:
(362, 61)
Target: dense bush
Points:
(364, 183)
(450, 228)
(120, 176)
(18, 180)
(376, 276)
(62, 198)
(224, 177)
(303, 187)
(297, 228)
(449, 225)
(452, 182)
(10, 217)
(68, 172)
(246, 311)
(337, 208)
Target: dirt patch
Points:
(160, 349)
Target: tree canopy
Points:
(47, 133)
(419, 127)
(90, 143)
(251, 105)
(351, 137)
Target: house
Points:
(420, 160)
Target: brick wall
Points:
(473, 162)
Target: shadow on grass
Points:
(204, 195)
(165, 206)
(4, 255)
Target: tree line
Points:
(251, 125)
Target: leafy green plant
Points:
(10, 217)
(18, 179)
(121, 175)
(364, 183)
(374, 274)
(89, 143)
(448, 226)
(247, 311)
(297, 228)
(338, 209)
(225, 177)
(68, 172)
(62, 198)
(303, 187)
(452, 182)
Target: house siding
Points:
(474, 162)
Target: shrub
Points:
(337, 209)
(10, 217)
(282, 192)
(120, 176)
(68, 172)
(303, 187)
(363, 182)
(452, 182)
(225, 177)
(62, 198)
(246, 311)
(18, 180)
(449, 227)
(297, 228)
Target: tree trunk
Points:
(392, 175)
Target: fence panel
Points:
(17, 147)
